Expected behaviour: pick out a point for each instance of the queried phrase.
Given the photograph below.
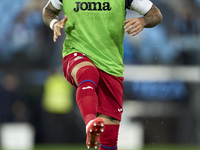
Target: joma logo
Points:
(92, 6)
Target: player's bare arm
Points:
(50, 13)
(135, 25)
(152, 18)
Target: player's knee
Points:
(87, 74)
(87, 78)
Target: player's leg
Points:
(86, 77)
(82, 73)
(110, 93)
(109, 138)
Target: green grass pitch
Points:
(148, 147)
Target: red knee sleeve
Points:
(86, 97)
(108, 139)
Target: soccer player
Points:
(93, 57)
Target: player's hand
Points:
(57, 27)
(134, 26)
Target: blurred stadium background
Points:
(161, 87)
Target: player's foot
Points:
(94, 129)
